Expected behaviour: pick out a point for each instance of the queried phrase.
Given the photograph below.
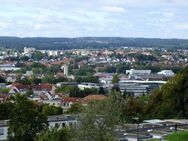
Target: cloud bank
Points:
(75, 18)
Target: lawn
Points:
(179, 136)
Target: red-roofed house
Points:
(44, 88)
(68, 101)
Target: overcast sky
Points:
(78, 18)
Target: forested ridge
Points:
(90, 42)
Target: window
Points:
(70, 124)
(1, 131)
(56, 125)
(63, 124)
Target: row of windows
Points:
(1, 131)
(70, 124)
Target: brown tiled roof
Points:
(93, 97)
(64, 61)
(47, 87)
(44, 86)
(71, 99)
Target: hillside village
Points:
(69, 79)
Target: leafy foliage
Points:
(25, 120)
(51, 110)
(74, 91)
(115, 79)
(75, 108)
(54, 134)
(5, 109)
(171, 101)
(101, 117)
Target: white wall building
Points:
(56, 103)
(29, 50)
(138, 87)
(65, 69)
(87, 85)
(168, 73)
(3, 129)
(134, 72)
(57, 120)
(53, 53)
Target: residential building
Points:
(167, 73)
(138, 87)
(83, 86)
(68, 101)
(134, 72)
(56, 120)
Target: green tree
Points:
(51, 110)
(171, 101)
(38, 56)
(99, 120)
(75, 108)
(115, 79)
(54, 134)
(25, 120)
(5, 109)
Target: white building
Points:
(134, 72)
(9, 67)
(53, 121)
(53, 53)
(56, 102)
(29, 50)
(104, 80)
(65, 69)
(3, 129)
(88, 85)
(168, 73)
(138, 87)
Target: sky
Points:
(94, 18)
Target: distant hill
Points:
(90, 42)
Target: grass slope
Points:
(179, 136)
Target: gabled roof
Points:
(93, 97)
(44, 86)
(71, 99)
